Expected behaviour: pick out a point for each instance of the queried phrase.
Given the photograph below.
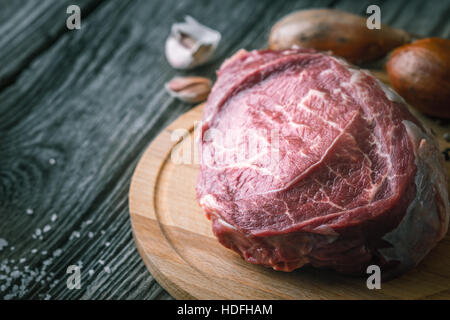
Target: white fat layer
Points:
(390, 93)
(357, 75)
(209, 203)
(426, 219)
(226, 224)
(328, 232)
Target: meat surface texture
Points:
(308, 160)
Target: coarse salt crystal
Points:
(47, 262)
(74, 234)
(3, 243)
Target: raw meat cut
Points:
(308, 160)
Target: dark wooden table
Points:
(78, 108)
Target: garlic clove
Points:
(189, 89)
(190, 44)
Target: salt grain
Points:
(47, 228)
(74, 234)
(52, 161)
(91, 235)
(107, 269)
(3, 243)
(91, 273)
(57, 252)
(29, 211)
(107, 244)
(47, 262)
(54, 217)
(101, 262)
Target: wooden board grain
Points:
(176, 243)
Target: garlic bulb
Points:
(190, 44)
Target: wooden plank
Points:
(28, 28)
(92, 100)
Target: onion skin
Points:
(420, 73)
(343, 33)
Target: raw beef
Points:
(308, 160)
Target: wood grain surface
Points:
(78, 109)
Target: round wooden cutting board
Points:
(177, 245)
